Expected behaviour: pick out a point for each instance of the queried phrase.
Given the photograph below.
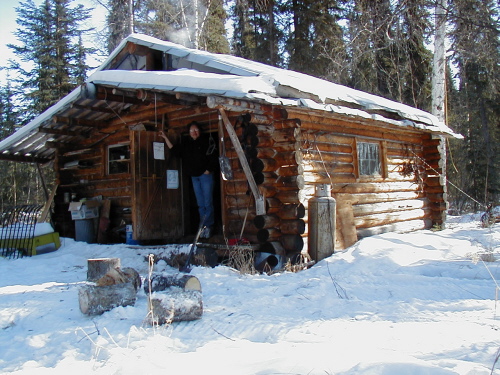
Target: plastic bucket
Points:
(129, 235)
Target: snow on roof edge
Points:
(34, 124)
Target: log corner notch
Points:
(108, 286)
(260, 205)
(435, 179)
(173, 298)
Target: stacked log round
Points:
(272, 149)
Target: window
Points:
(118, 159)
(369, 159)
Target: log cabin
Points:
(284, 133)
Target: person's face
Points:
(194, 132)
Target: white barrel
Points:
(321, 223)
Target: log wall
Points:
(397, 200)
(90, 179)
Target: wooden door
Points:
(157, 208)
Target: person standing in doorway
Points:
(199, 161)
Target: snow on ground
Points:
(392, 304)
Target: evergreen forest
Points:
(384, 47)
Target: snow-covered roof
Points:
(203, 73)
(280, 83)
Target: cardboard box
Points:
(84, 210)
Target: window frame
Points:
(382, 156)
(115, 158)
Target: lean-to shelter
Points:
(284, 133)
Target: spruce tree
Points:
(265, 42)
(315, 43)
(120, 21)
(475, 36)
(50, 55)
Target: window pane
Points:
(368, 158)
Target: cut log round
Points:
(97, 268)
(95, 300)
(160, 282)
(176, 306)
(133, 277)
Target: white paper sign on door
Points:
(172, 179)
(159, 150)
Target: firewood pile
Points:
(171, 298)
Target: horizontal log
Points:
(319, 166)
(266, 221)
(286, 146)
(289, 123)
(235, 213)
(389, 218)
(437, 197)
(327, 137)
(291, 170)
(431, 142)
(260, 119)
(287, 135)
(343, 125)
(434, 156)
(297, 226)
(261, 153)
(239, 201)
(95, 300)
(435, 189)
(160, 282)
(263, 165)
(288, 196)
(398, 227)
(330, 147)
(268, 235)
(289, 158)
(314, 155)
(291, 211)
(290, 182)
(185, 305)
(259, 141)
(234, 227)
(259, 130)
(272, 205)
(400, 176)
(367, 198)
(376, 208)
(369, 187)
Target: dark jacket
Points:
(195, 157)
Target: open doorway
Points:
(191, 212)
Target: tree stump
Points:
(95, 300)
(176, 305)
(160, 282)
(97, 268)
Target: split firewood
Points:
(160, 282)
(97, 268)
(119, 276)
(175, 306)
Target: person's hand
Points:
(206, 172)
